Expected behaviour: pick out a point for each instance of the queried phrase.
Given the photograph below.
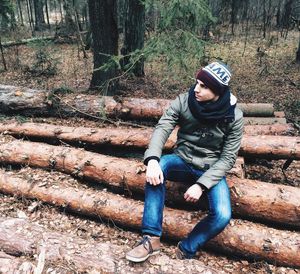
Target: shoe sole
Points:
(139, 260)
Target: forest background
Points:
(150, 49)
(153, 48)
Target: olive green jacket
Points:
(212, 148)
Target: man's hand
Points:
(154, 175)
(193, 193)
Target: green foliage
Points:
(189, 15)
(178, 34)
(7, 14)
(63, 90)
(294, 108)
(44, 63)
(176, 41)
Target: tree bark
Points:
(70, 26)
(298, 52)
(20, 12)
(271, 147)
(29, 12)
(263, 146)
(131, 108)
(2, 55)
(103, 21)
(240, 237)
(275, 129)
(26, 41)
(47, 14)
(17, 99)
(11, 264)
(134, 31)
(39, 15)
(27, 230)
(120, 136)
(264, 121)
(128, 175)
(20, 237)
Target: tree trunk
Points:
(233, 15)
(105, 43)
(263, 146)
(39, 15)
(264, 18)
(61, 11)
(239, 238)
(20, 12)
(298, 52)
(134, 32)
(29, 12)
(2, 55)
(128, 175)
(70, 26)
(47, 14)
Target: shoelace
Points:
(144, 241)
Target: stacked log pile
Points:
(28, 102)
(259, 208)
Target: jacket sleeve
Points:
(228, 156)
(162, 131)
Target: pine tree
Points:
(7, 15)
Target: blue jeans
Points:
(175, 169)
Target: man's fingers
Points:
(153, 180)
(161, 177)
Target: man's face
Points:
(203, 93)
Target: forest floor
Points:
(265, 73)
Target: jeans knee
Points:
(222, 217)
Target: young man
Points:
(208, 140)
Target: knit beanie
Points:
(215, 76)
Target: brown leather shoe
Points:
(147, 247)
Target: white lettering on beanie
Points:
(219, 72)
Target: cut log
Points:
(279, 114)
(264, 120)
(17, 99)
(26, 41)
(257, 110)
(19, 236)
(129, 175)
(272, 147)
(11, 264)
(240, 237)
(128, 108)
(276, 129)
(238, 169)
(112, 135)
(139, 108)
(265, 201)
(25, 231)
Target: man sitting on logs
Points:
(208, 140)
